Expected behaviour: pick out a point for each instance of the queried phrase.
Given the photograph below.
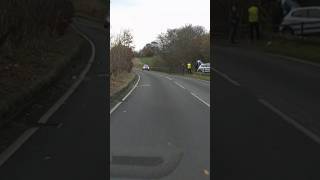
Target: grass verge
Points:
(301, 49)
(28, 97)
(201, 76)
(120, 86)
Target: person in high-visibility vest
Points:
(253, 12)
(189, 67)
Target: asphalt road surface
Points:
(166, 117)
(265, 117)
(77, 148)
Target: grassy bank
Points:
(201, 76)
(302, 49)
(30, 97)
(29, 74)
(120, 86)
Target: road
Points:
(163, 115)
(76, 149)
(265, 116)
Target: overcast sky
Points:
(148, 18)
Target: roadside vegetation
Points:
(172, 50)
(35, 44)
(306, 49)
(121, 64)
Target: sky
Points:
(146, 19)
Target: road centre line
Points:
(179, 85)
(200, 99)
(226, 77)
(291, 121)
(169, 78)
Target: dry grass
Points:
(119, 82)
(29, 73)
(137, 63)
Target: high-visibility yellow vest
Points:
(189, 66)
(253, 14)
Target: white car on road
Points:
(302, 21)
(205, 68)
(146, 67)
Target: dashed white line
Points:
(291, 121)
(226, 77)
(200, 99)
(179, 85)
(168, 78)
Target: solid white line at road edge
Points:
(291, 121)
(200, 99)
(115, 107)
(226, 77)
(7, 153)
(123, 99)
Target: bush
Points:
(25, 22)
(121, 54)
(180, 46)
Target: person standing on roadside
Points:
(189, 68)
(234, 18)
(253, 13)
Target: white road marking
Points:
(200, 99)
(7, 153)
(123, 99)
(169, 78)
(291, 121)
(179, 85)
(144, 85)
(115, 107)
(226, 77)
